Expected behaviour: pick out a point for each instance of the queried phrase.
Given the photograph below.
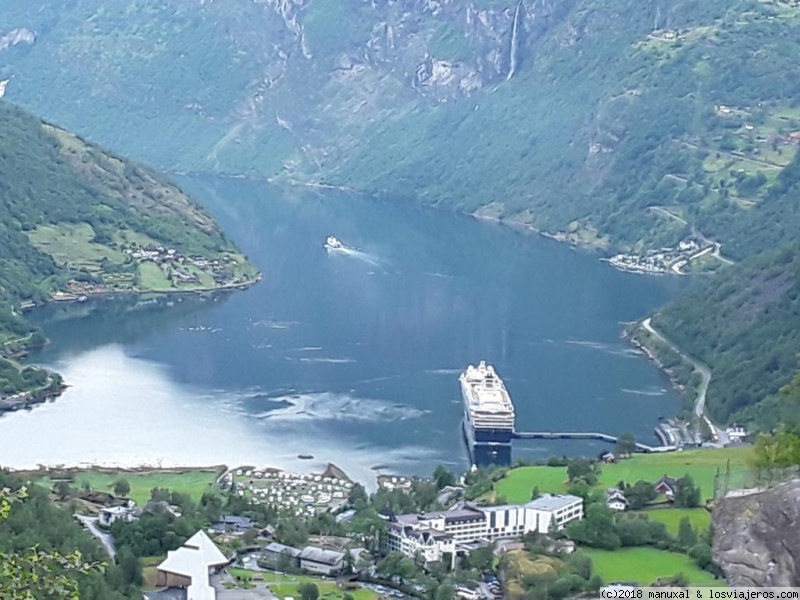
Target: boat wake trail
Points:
(614, 349)
(648, 392)
(365, 257)
(327, 406)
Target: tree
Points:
(122, 487)
(443, 477)
(63, 490)
(397, 565)
(358, 496)
(626, 444)
(582, 468)
(535, 492)
(701, 553)
(250, 536)
(596, 530)
(308, 591)
(687, 537)
(640, 494)
(581, 564)
(480, 558)
(445, 592)
(688, 494)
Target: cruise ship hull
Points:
(483, 451)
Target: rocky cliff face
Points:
(757, 537)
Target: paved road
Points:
(705, 375)
(90, 523)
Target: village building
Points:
(439, 536)
(274, 553)
(668, 486)
(233, 524)
(616, 500)
(112, 514)
(191, 566)
(323, 562)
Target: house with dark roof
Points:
(667, 486)
(323, 562)
(274, 553)
(233, 524)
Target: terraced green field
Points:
(646, 566)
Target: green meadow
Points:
(702, 465)
(645, 566)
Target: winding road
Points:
(705, 375)
(90, 523)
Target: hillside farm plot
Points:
(646, 566)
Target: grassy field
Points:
(71, 244)
(645, 565)
(151, 277)
(702, 465)
(193, 482)
(700, 518)
(286, 585)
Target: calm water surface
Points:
(350, 356)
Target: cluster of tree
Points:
(481, 481)
(44, 552)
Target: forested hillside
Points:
(76, 221)
(745, 324)
(35, 524)
(603, 121)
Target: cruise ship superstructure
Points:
(488, 415)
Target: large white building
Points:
(437, 536)
(190, 567)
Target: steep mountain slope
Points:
(745, 324)
(77, 221)
(578, 117)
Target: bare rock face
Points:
(757, 537)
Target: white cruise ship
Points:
(488, 414)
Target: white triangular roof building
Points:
(194, 560)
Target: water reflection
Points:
(124, 411)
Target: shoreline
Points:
(35, 397)
(71, 298)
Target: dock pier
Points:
(585, 435)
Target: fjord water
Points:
(352, 357)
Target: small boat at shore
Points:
(332, 243)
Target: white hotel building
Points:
(436, 534)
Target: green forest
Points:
(67, 210)
(38, 546)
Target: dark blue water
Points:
(350, 356)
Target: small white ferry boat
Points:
(333, 244)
